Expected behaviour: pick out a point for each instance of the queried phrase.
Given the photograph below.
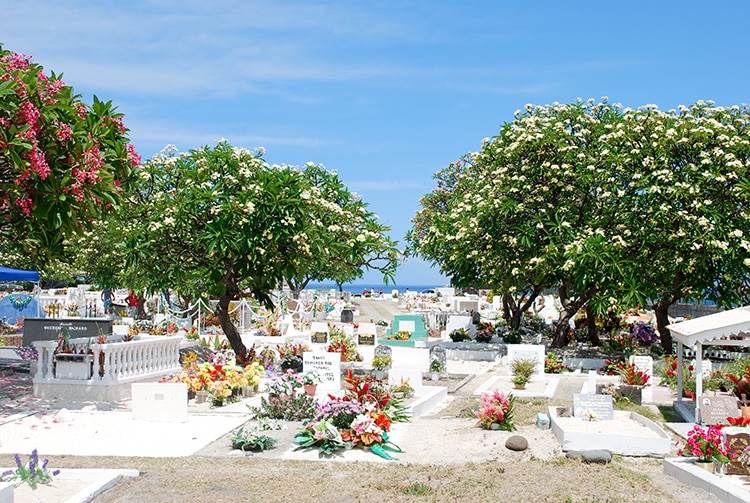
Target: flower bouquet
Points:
(496, 409)
(706, 444)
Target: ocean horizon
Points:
(360, 287)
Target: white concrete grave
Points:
(527, 352)
(160, 402)
(327, 365)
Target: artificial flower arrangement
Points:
(31, 473)
(361, 418)
(340, 342)
(496, 408)
(401, 335)
(707, 444)
(166, 327)
(404, 388)
(553, 364)
(631, 376)
(485, 332)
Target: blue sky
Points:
(386, 93)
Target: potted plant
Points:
(381, 363)
(403, 389)
(707, 444)
(522, 370)
(250, 440)
(459, 335)
(310, 381)
(436, 368)
(633, 382)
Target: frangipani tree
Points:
(610, 206)
(226, 222)
(63, 164)
(348, 237)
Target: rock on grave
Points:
(517, 443)
(601, 456)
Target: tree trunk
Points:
(591, 322)
(230, 331)
(661, 313)
(140, 310)
(513, 311)
(569, 309)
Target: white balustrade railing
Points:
(119, 361)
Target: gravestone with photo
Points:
(643, 364)
(715, 409)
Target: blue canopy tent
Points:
(8, 274)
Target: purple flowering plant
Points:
(27, 352)
(32, 473)
(340, 412)
(643, 335)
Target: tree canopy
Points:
(223, 221)
(608, 205)
(63, 163)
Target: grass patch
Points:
(417, 489)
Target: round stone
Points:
(517, 443)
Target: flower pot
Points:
(380, 375)
(435, 376)
(310, 389)
(519, 386)
(705, 465)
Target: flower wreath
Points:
(18, 302)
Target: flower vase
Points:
(201, 397)
(380, 375)
(310, 389)
(435, 376)
(707, 465)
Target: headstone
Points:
(367, 334)
(160, 402)
(437, 352)
(527, 352)
(318, 332)
(48, 329)
(396, 375)
(643, 363)
(517, 443)
(716, 409)
(382, 349)
(406, 326)
(599, 406)
(347, 316)
(738, 439)
(456, 322)
(327, 365)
